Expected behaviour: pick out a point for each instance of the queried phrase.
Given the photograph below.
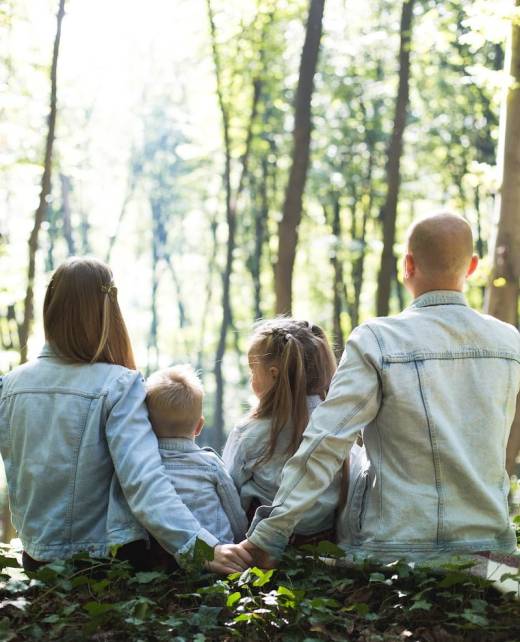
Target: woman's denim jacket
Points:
(78, 451)
(434, 391)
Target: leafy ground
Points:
(303, 600)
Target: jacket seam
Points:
(435, 455)
(62, 391)
(77, 450)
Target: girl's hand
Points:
(230, 558)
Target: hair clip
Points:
(109, 289)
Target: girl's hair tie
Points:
(109, 289)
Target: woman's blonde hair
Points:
(306, 364)
(81, 315)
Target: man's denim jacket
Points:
(434, 391)
(204, 485)
(78, 451)
(257, 480)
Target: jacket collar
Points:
(439, 297)
(179, 444)
(47, 351)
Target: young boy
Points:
(174, 400)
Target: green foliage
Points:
(304, 599)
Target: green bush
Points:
(303, 600)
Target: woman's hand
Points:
(230, 558)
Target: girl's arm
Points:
(230, 500)
(235, 458)
(147, 488)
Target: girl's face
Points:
(262, 377)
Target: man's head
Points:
(174, 400)
(439, 255)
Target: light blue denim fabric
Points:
(244, 448)
(434, 390)
(205, 487)
(78, 451)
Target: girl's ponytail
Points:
(305, 364)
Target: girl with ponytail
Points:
(291, 366)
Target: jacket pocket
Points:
(358, 501)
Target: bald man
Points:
(433, 390)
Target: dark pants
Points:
(137, 553)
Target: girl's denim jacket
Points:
(434, 391)
(258, 480)
(82, 462)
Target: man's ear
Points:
(199, 426)
(472, 265)
(409, 265)
(274, 372)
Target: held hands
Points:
(232, 558)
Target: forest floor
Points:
(304, 600)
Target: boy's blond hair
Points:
(174, 400)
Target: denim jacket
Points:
(79, 453)
(434, 391)
(244, 448)
(204, 485)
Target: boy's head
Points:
(439, 254)
(174, 400)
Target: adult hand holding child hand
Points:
(260, 557)
(230, 558)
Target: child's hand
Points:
(260, 557)
(230, 558)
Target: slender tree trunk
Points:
(338, 285)
(232, 201)
(395, 148)
(292, 209)
(152, 346)
(503, 289)
(67, 222)
(45, 191)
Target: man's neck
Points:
(419, 290)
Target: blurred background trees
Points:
(181, 130)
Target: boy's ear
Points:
(409, 265)
(199, 426)
(274, 372)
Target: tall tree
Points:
(232, 199)
(503, 289)
(395, 148)
(25, 326)
(292, 208)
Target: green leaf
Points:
(263, 577)
(202, 552)
(422, 605)
(329, 549)
(8, 562)
(246, 617)
(145, 577)
(377, 577)
(233, 598)
(475, 618)
(359, 607)
(98, 608)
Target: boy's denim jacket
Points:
(78, 451)
(244, 449)
(204, 485)
(434, 390)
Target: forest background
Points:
(233, 160)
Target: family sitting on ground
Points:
(399, 453)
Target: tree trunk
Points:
(67, 222)
(503, 289)
(292, 209)
(45, 191)
(394, 162)
(338, 286)
(232, 201)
